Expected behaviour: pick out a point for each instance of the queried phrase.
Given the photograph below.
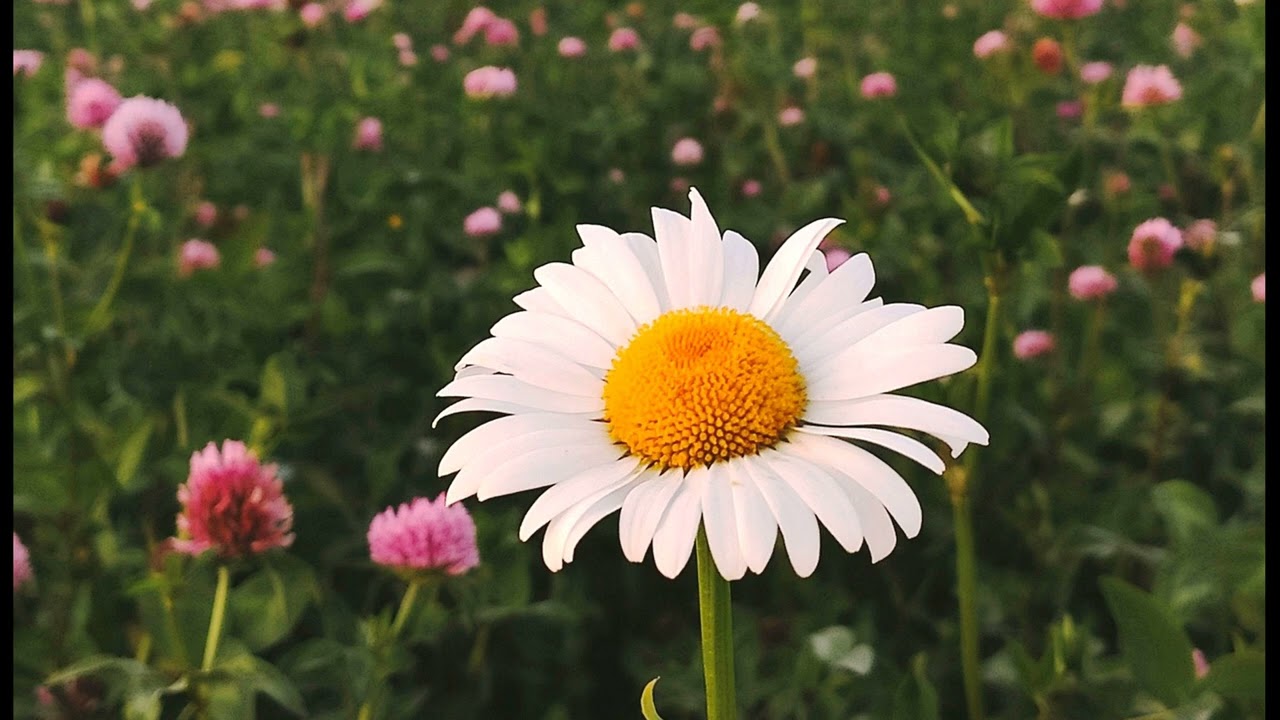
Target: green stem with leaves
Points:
(407, 603)
(215, 620)
(717, 635)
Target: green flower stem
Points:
(407, 602)
(98, 317)
(717, 635)
(1187, 294)
(406, 608)
(966, 556)
(215, 620)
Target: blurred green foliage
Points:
(1102, 562)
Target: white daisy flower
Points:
(663, 379)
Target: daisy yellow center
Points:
(698, 386)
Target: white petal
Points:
(820, 492)
(509, 389)
(816, 272)
(757, 528)
(814, 347)
(877, 528)
(587, 300)
(562, 495)
(741, 269)
(952, 427)
(554, 331)
(796, 521)
(780, 276)
(672, 232)
(474, 370)
(720, 520)
(539, 300)
(869, 471)
(642, 510)
(483, 438)
(474, 474)
(596, 234)
(705, 255)
(535, 365)
(603, 506)
(932, 327)
(678, 528)
(611, 260)
(542, 467)
(863, 371)
(646, 251)
(847, 286)
(901, 444)
(497, 406)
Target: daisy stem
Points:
(215, 620)
(717, 635)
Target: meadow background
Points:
(1119, 510)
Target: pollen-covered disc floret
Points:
(699, 386)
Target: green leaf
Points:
(266, 607)
(1155, 647)
(1239, 676)
(1187, 510)
(131, 452)
(916, 699)
(25, 387)
(273, 392)
(835, 646)
(647, 708)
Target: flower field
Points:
(390, 359)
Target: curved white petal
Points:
(705, 254)
(672, 231)
(611, 260)
(901, 444)
(721, 522)
(741, 268)
(483, 438)
(604, 505)
(472, 475)
(587, 300)
(642, 510)
(796, 521)
(645, 249)
(815, 347)
(847, 286)
(499, 406)
(542, 467)
(877, 528)
(869, 471)
(820, 492)
(540, 300)
(510, 389)
(951, 426)
(535, 365)
(757, 528)
(865, 372)
(562, 495)
(933, 326)
(555, 331)
(779, 278)
(678, 528)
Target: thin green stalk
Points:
(966, 555)
(98, 318)
(406, 608)
(1187, 294)
(717, 635)
(215, 620)
(776, 155)
(374, 696)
